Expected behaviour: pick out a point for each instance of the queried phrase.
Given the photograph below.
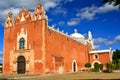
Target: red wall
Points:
(103, 58)
(63, 46)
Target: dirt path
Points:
(70, 76)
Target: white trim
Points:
(68, 36)
(20, 35)
(95, 62)
(94, 57)
(110, 54)
(73, 65)
(22, 18)
(99, 51)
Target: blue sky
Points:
(85, 15)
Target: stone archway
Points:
(21, 65)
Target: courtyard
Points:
(68, 76)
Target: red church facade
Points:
(32, 47)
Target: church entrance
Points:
(21, 65)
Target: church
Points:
(33, 47)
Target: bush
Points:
(101, 67)
(88, 65)
(96, 67)
(0, 69)
(110, 66)
(117, 64)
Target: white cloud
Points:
(99, 40)
(107, 8)
(59, 10)
(68, 1)
(73, 22)
(61, 23)
(16, 5)
(4, 13)
(97, 47)
(49, 5)
(107, 41)
(87, 13)
(117, 38)
(90, 12)
(1, 54)
(114, 41)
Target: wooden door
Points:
(21, 65)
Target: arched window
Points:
(74, 66)
(22, 43)
(95, 56)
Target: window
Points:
(22, 43)
(96, 56)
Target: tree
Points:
(110, 67)
(116, 58)
(88, 65)
(116, 2)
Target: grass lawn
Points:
(69, 76)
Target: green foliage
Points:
(0, 69)
(116, 54)
(116, 59)
(110, 66)
(101, 67)
(96, 67)
(88, 65)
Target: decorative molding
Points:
(38, 61)
(94, 56)
(96, 61)
(22, 18)
(20, 35)
(98, 51)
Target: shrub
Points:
(88, 65)
(0, 69)
(96, 67)
(110, 66)
(101, 67)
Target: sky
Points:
(84, 15)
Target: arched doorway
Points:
(21, 65)
(74, 66)
(96, 66)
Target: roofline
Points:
(62, 33)
(100, 51)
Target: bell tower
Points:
(90, 39)
(39, 13)
(9, 20)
